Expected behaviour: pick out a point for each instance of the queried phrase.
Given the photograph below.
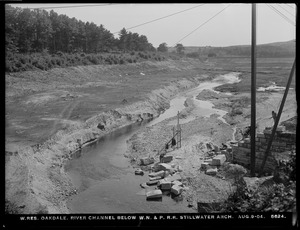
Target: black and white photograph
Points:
(150, 114)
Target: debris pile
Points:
(165, 177)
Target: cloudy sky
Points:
(190, 24)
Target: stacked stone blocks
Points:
(283, 141)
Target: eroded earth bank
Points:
(49, 120)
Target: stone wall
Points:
(283, 141)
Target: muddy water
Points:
(106, 182)
(105, 179)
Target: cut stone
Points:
(164, 184)
(280, 128)
(157, 174)
(176, 182)
(204, 166)
(157, 193)
(167, 159)
(147, 160)
(176, 190)
(179, 168)
(212, 171)
(139, 172)
(174, 177)
(167, 173)
(153, 182)
(155, 178)
(219, 160)
(164, 167)
(208, 161)
(144, 185)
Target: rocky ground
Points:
(201, 131)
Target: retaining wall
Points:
(283, 141)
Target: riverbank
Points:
(38, 171)
(36, 151)
(202, 130)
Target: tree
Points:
(179, 48)
(162, 47)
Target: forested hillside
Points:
(38, 39)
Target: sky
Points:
(205, 25)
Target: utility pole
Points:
(253, 91)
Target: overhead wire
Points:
(201, 25)
(286, 10)
(74, 6)
(281, 15)
(160, 18)
(289, 6)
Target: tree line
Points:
(29, 31)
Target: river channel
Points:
(105, 179)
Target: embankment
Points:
(35, 177)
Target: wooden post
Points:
(253, 91)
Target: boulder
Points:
(176, 190)
(219, 160)
(211, 171)
(164, 184)
(154, 194)
(160, 173)
(147, 160)
(167, 159)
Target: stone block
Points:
(223, 152)
(219, 160)
(174, 177)
(280, 128)
(179, 168)
(160, 173)
(139, 172)
(176, 182)
(147, 160)
(155, 178)
(260, 135)
(229, 150)
(212, 171)
(204, 166)
(153, 182)
(154, 194)
(176, 190)
(164, 167)
(164, 184)
(167, 159)
(247, 140)
(208, 161)
(167, 173)
(144, 185)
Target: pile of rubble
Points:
(165, 177)
(216, 157)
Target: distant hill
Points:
(276, 49)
